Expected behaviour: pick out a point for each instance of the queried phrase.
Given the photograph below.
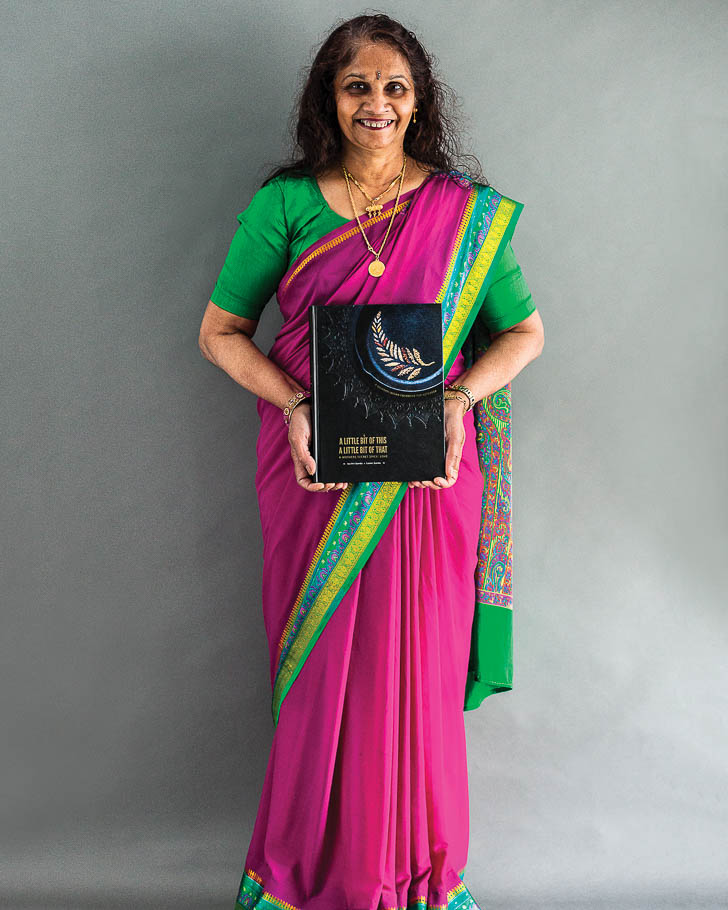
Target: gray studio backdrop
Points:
(136, 720)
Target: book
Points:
(377, 391)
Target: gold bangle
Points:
(450, 394)
(293, 401)
(466, 391)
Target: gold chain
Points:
(375, 208)
(376, 268)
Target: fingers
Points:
(303, 478)
(299, 436)
(452, 465)
(301, 452)
(455, 441)
(312, 487)
(438, 483)
(304, 466)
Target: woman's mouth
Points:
(375, 124)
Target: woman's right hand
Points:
(299, 436)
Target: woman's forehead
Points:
(369, 58)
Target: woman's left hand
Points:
(454, 439)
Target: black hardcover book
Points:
(377, 385)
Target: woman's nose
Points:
(378, 101)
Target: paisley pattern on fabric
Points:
(495, 552)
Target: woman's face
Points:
(361, 96)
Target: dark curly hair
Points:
(432, 140)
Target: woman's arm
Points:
(508, 353)
(227, 341)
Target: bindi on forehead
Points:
(365, 58)
(378, 74)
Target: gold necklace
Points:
(376, 268)
(375, 208)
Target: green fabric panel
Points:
(283, 219)
(290, 214)
(507, 300)
(256, 257)
(490, 668)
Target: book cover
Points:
(377, 385)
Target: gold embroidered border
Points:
(324, 248)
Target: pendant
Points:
(376, 268)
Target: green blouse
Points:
(287, 216)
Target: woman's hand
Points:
(304, 464)
(455, 439)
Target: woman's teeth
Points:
(375, 124)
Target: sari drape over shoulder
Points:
(388, 610)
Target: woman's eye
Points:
(397, 87)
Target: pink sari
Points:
(370, 596)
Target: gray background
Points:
(136, 705)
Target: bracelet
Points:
(458, 396)
(466, 390)
(292, 403)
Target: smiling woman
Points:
(375, 108)
(371, 109)
(387, 610)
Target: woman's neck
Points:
(336, 193)
(376, 170)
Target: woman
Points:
(373, 597)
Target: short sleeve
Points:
(508, 299)
(258, 255)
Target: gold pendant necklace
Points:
(376, 268)
(376, 207)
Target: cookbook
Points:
(377, 386)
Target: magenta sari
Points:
(370, 595)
